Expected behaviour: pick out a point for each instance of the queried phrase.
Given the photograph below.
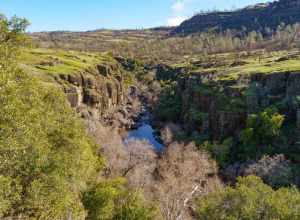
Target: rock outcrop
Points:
(95, 92)
(220, 108)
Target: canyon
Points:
(199, 121)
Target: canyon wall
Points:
(96, 92)
(219, 108)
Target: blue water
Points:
(145, 132)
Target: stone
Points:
(89, 83)
(103, 70)
(72, 96)
(75, 80)
(91, 97)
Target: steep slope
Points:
(94, 84)
(221, 99)
(257, 18)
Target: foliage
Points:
(261, 130)
(221, 152)
(46, 157)
(111, 200)
(12, 37)
(47, 160)
(251, 199)
(9, 194)
(263, 127)
(12, 31)
(169, 105)
(44, 148)
(196, 116)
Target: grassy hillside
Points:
(48, 64)
(231, 66)
(60, 61)
(99, 40)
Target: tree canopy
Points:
(251, 199)
(48, 164)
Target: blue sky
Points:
(81, 15)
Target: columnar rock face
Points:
(96, 91)
(220, 109)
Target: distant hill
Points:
(97, 40)
(257, 17)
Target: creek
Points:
(144, 131)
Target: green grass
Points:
(47, 61)
(256, 62)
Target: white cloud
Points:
(175, 21)
(180, 9)
(178, 6)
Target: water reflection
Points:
(145, 132)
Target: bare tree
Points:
(182, 173)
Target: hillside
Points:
(253, 18)
(98, 40)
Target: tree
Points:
(260, 132)
(48, 163)
(110, 200)
(44, 149)
(46, 157)
(251, 199)
(12, 31)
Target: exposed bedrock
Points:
(98, 92)
(220, 107)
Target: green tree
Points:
(251, 199)
(47, 161)
(44, 149)
(260, 132)
(46, 158)
(112, 200)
